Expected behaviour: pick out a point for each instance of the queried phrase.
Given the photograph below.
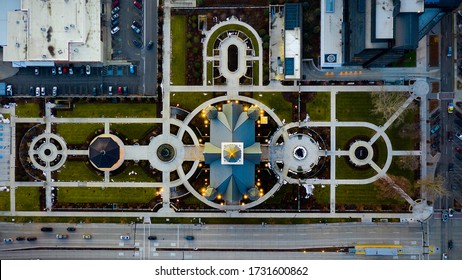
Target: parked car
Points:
(152, 237)
(137, 4)
(115, 3)
(115, 30)
(458, 149)
(444, 256)
(31, 91)
(31, 238)
(125, 90)
(132, 69)
(450, 133)
(94, 91)
(60, 70)
(137, 44)
(37, 91)
(115, 10)
(62, 236)
(149, 45)
(110, 90)
(137, 24)
(119, 90)
(42, 91)
(36, 71)
(458, 122)
(8, 240)
(9, 90)
(86, 236)
(114, 23)
(450, 244)
(450, 107)
(435, 129)
(71, 70)
(46, 229)
(115, 16)
(88, 70)
(459, 136)
(125, 237)
(435, 144)
(71, 229)
(451, 212)
(450, 167)
(55, 91)
(136, 29)
(53, 71)
(20, 238)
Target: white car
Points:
(125, 237)
(43, 91)
(9, 90)
(55, 90)
(459, 136)
(37, 91)
(115, 30)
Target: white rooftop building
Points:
(54, 31)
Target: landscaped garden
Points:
(4, 201)
(178, 63)
(76, 171)
(27, 199)
(107, 195)
(28, 110)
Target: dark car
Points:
(445, 216)
(114, 23)
(458, 122)
(82, 70)
(20, 238)
(149, 45)
(450, 138)
(459, 157)
(435, 145)
(115, 3)
(137, 24)
(137, 44)
(451, 167)
(152, 237)
(189, 237)
(71, 229)
(450, 245)
(47, 229)
(31, 238)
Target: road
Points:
(446, 62)
(230, 241)
(149, 57)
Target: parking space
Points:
(124, 41)
(456, 153)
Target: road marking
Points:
(156, 244)
(121, 253)
(155, 254)
(349, 232)
(173, 244)
(121, 244)
(172, 254)
(154, 249)
(413, 242)
(372, 232)
(137, 244)
(396, 242)
(413, 257)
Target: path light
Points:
(246, 196)
(219, 196)
(242, 203)
(237, 101)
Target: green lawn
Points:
(178, 65)
(4, 201)
(132, 131)
(275, 100)
(77, 171)
(344, 134)
(255, 72)
(356, 106)
(108, 195)
(74, 133)
(361, 194)
(27, 199)
(399, 142)
(111, 110)
(28, 110)
(408, 60)
(220, 30)
(319, 108)
(189, 100)
(140, 176)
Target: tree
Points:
(393, 187)
(385, 104)
(433, 187)
(410, 162)
(410, 130)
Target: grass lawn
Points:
(399, 142)
(189, 100)
(346, 133)
(132, 131)
(408, 60)
(220, 30)
(110, 110)
(275, 100)
(74, 133)
(319, 108)
(356, 106)
(322, 195)
(28, 110)
(398, 170)
(77, 171)
(27, 199)
(362, 194)
(178, 28)
(255, 72)
(345, 171)
(140, 176)
(108, 195)
(4, 201)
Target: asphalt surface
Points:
(217, 241)
(446, 62)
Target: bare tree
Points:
(385, 104)
(410, 130)
(394, 187)
(433, 187)
(409, 162)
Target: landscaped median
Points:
(107, 195)
(178, 63)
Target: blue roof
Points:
(292, 16)
(289, 66)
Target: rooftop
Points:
(331, 33)
(59, 31)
